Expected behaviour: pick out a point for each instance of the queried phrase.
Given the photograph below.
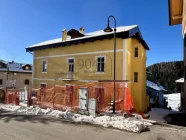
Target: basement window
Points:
(135, 76)
(43, 85)
(136, 52)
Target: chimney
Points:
(64, 34)
(81, 30)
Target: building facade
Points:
(15, 75)
(177, 15)
(78, 58)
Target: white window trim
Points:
(44, 83)
(46, 65)
(96, 57)
(70, 58)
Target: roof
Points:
(16, 67)
(175, 11)
(154, 86)
(181, 80)
(122, 32)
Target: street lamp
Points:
(108, 29)
(7, 75)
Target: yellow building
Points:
(77, 57)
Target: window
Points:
(135, 76)
(1, 81)
(43, 85)
(44, 66)
(136, 52)
(100, 64)
(71, 65)
(185, 73)
(26, 81)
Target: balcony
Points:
(69, 76)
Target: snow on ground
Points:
(173, 100)
(134, 124)
(9, 107)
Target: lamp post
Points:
(7, 75)
(108, 29)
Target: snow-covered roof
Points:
(181, 80)
(154, 86)
(91, 34)
(94, 34)
(16, 67)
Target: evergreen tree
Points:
(165, 73)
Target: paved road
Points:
(17, 127)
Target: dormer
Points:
(3, 64)
(27, 67)
(75, 33)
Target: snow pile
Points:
(173, 100)
(129, 124)
(24, 103)
(9, 107)
(30, 110)
(134, 124)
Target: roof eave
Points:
(171, 17)
(123, 35)
(77, 41)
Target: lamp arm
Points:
(114, 21)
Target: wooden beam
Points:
(177, 17)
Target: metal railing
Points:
(66, 76)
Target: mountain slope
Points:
(166, 73)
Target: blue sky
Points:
(27, 22)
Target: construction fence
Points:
(67, 97)
(15, 96)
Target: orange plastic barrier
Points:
(66, 98)
(11, 97)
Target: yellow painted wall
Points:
(137, 64)
(58, 64)
(55, 65)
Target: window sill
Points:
(99, 72)
(43, 72)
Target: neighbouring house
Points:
(15, 75)
(180, 86)
(177, 15)
(78, 58)
(154, 90)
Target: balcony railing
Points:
(66, 76)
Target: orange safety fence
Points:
(11, 97)
(67, 98)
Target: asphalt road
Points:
(22, 127)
